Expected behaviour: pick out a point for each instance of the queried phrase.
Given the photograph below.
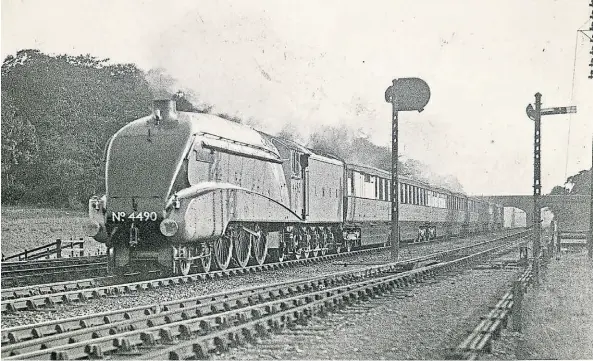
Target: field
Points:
(26, 228)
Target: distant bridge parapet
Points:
(571, 212)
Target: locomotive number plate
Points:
(134, 216)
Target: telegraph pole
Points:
(536, 115)
(404, 94)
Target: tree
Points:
(19, 149)
(578, 184)
(558, 190)
(66, 108)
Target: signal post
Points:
(536, 114)
(404, 94)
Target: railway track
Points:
(39, 296)
(193, 327)
(42, 295)
(15, 274)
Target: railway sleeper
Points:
(166, 335)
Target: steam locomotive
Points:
(194, 191)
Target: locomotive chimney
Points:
(164, 110)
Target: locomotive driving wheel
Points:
(241, 246)
(223, 250)
(259, 245)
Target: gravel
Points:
(220, 285)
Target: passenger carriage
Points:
(425, 212)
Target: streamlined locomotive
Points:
(191, 190)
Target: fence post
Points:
(517, 300)
(81, 246)
(59, 248)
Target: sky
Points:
(309, 63)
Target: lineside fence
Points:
(508, 307)
(57, 249)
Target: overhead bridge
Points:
(571, 212)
